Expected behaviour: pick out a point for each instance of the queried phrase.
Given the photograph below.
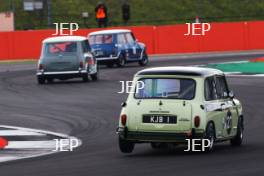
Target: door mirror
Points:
(231, 94)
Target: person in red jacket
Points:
(101, 14)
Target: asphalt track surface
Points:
(90, 112)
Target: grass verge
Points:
(243, 67)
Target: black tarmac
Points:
(90, 111)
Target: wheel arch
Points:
(211, 121)
(123, 54)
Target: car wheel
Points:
(159, 145)
(238, 139)
(85, 77)
(50, 80)
(95, 76)
(121, 61)
(110, 65)
(126, 146)
(210, 135)
(41, 80)
(144, 61)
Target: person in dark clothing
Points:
(101, 14)
(126, 12)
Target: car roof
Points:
(183, 71)
(64, 39)
(110, 31)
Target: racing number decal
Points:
(227, 122)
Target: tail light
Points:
(81, 64)
(40, 67)
(90, 61)
(197, 121)
(123, 119)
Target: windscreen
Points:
(167, 88)
(60, 48)
(101, 39)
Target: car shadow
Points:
(130, 65)
(69, 81)
(221, 149)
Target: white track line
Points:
(7, 158)
(51, 144)
(229, 62)
(43, 146)
(35, 130)
(19, 133)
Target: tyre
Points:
(110, 65)
(144, 61)
(121, 61)
(158, 145)
(85, 78)
(210, 135)
(238, 139)
(95, 76)
(41, 80)
(125, 146)
(50, 80)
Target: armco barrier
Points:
(171, 39)
(27, 44)
(159, 39)
(255, 32)
(225, 37)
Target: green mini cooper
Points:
(179, 103)
(66, 57)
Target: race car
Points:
(179, 103)
(117, 46)
(66, 57)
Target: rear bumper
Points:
(62, 74)
(138, 136)
(108, 59)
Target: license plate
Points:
(159, 119)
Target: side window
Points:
(210, 91)
(221, 87)
(121, 39)
(129, 38)
(108, 39)
(86, 46)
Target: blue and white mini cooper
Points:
(117, 47)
